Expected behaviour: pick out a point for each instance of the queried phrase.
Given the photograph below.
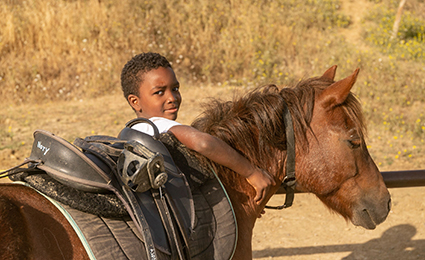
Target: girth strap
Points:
(177, 246)
(179, 222)
(143, 224)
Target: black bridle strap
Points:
(289, 180)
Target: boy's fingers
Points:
(259, 197)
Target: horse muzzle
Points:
(369, 214)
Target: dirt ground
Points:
(308, 230)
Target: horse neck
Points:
(253, 126)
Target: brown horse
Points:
(332, 160)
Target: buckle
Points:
(289, 180)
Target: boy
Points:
(151, 88)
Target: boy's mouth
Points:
(172, 110)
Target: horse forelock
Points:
(304, 93)
(353, 110)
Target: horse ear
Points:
(338, 92)
(330, 73)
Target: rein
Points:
(16, 169)
(289, 180)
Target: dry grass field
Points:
(59, 71)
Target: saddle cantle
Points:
(205, 216)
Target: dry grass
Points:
(61, 61)
(67, 49)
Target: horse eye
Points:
(354, 143)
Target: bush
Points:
(410, 41)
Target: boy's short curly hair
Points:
(134, 69)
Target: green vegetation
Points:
(53, 50)
(410, 41)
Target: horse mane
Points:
(253, 124)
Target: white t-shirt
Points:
(163, 125)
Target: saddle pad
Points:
(118, 238)
(105, 205)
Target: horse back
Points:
(31, 227)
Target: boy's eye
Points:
(159, 92)
(176, 89)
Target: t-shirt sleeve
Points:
(161, 123)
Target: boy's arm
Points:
(220, 152)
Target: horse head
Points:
(336, 166)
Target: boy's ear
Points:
(134, 102)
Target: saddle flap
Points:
(176, 186)
(215, 232)
(67, 164)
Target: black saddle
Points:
(184, 215)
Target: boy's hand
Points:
(261, 181)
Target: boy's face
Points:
(159, 95)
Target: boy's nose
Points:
(172, 97)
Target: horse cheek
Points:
(315, 174)
(323, 154)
